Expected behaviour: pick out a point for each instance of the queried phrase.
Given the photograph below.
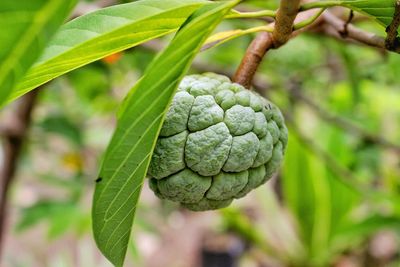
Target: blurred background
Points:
(335, 202)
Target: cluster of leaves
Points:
(110, 30)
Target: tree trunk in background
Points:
(14, 136)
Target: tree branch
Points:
(285, 17)
(392, 41)
(252, 59)
(344, 33)
(353, 33)
(344, 123)
(263, 42)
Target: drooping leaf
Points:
(352, 232)
(344, 198)
(298, 193)
(60, 215)
(102, 33)
(128, 155)
(318, 200)
(26, 26)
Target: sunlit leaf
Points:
(381, 10)
(129, 152)
(105, 32)
(25, 28)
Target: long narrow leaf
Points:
(318, 201)
(129, 153)
(104, 32)
(26, 26)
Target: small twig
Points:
(285, 17)
(343, 123)
(345, 31)
(392, 41)
(353, 33)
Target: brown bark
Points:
(334, 26)
(352, 32)
(263, 42)
(252, 59)
(285, 17)
(392, 42)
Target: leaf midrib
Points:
(100, 35)
(129, 130)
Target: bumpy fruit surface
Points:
(218, 142)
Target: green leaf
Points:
(62, 221)
(129, 152)
(62, 125)
(299, 193)
(381, 10)
(89, 89)
(353, 232)
(104, 32)
(60, 215)
(26, 27)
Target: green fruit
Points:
(218, 142)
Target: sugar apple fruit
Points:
(218, 142)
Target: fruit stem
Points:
(252, 59)
(264, 41)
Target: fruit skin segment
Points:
(219, 141)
